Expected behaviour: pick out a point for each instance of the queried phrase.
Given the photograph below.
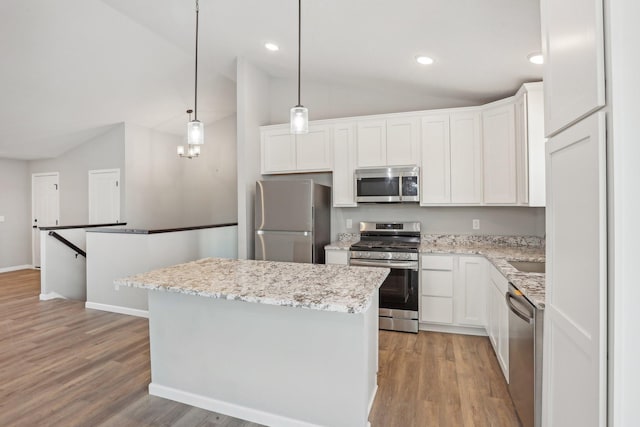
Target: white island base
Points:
(273, 365)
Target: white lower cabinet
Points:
(498, 317)
(336, 256)
(452, 290)
(470, 290)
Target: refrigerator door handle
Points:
(296, 233)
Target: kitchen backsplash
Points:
(467, 240)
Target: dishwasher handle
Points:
(524, 316)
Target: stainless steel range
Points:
(392, 245)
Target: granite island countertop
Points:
(313, 286)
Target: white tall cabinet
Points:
(344, 164)
(575, 338)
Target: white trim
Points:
(373, 397)
(451, 329)
(117, 309)
(16, 268)
(51, 295)
(226, 408)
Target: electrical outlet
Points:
(349, 224)
(476, 224)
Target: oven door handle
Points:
(401, 265)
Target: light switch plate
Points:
(1, 218)
(349, 223)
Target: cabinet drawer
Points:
(434, 262)
(436, 309)
(437, 283)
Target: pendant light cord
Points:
(299, 45)
(195, 109)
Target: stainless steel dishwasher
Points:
(525, 357)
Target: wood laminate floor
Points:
(64, 365)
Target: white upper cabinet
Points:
(499, 155)
(530, 145)
(573, 47)
(436, 160)
(313, 150)
(403, 141)
(372, 143)
(344, 164)
(283, 152)
(278, 151)
(390, 142)
(466, 158)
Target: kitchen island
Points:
(275, 343)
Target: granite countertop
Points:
(497, 249)
(314, 286)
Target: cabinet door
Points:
(466, 158)
(403, 141)
(344, 163)
(372, 143)
(575, 315)
(436, 309)
(502, 312)
(536, 143)
(436, 161)
(499, 155)
(336, 257)
(313, 150)
(522, 167)
(573, 47)
(469, 292)
(278, 151)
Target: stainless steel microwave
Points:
(394, 184)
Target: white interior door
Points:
(104, 196)
(575, 360)
(45, 207)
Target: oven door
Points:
(399, 291)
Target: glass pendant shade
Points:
(195, 132)
(299, 119)
(180, 150)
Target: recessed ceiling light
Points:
(272, 47)
(424, 60)
(536, 58)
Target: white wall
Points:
(15, 206)
(165, 191)
(62, 273)
(209, 183)
(102, 152)
(328, 101)
(253, 111)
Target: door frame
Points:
(97, 171)
(33, 176)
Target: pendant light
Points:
(195, 128)
(193, 150)
(299, 115)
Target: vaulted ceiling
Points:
(72, 68)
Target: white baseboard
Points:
(50, 295)
(450, 329)
(226, 408)
(16, 268)
(117, 309)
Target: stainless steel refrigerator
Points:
(292, 221)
